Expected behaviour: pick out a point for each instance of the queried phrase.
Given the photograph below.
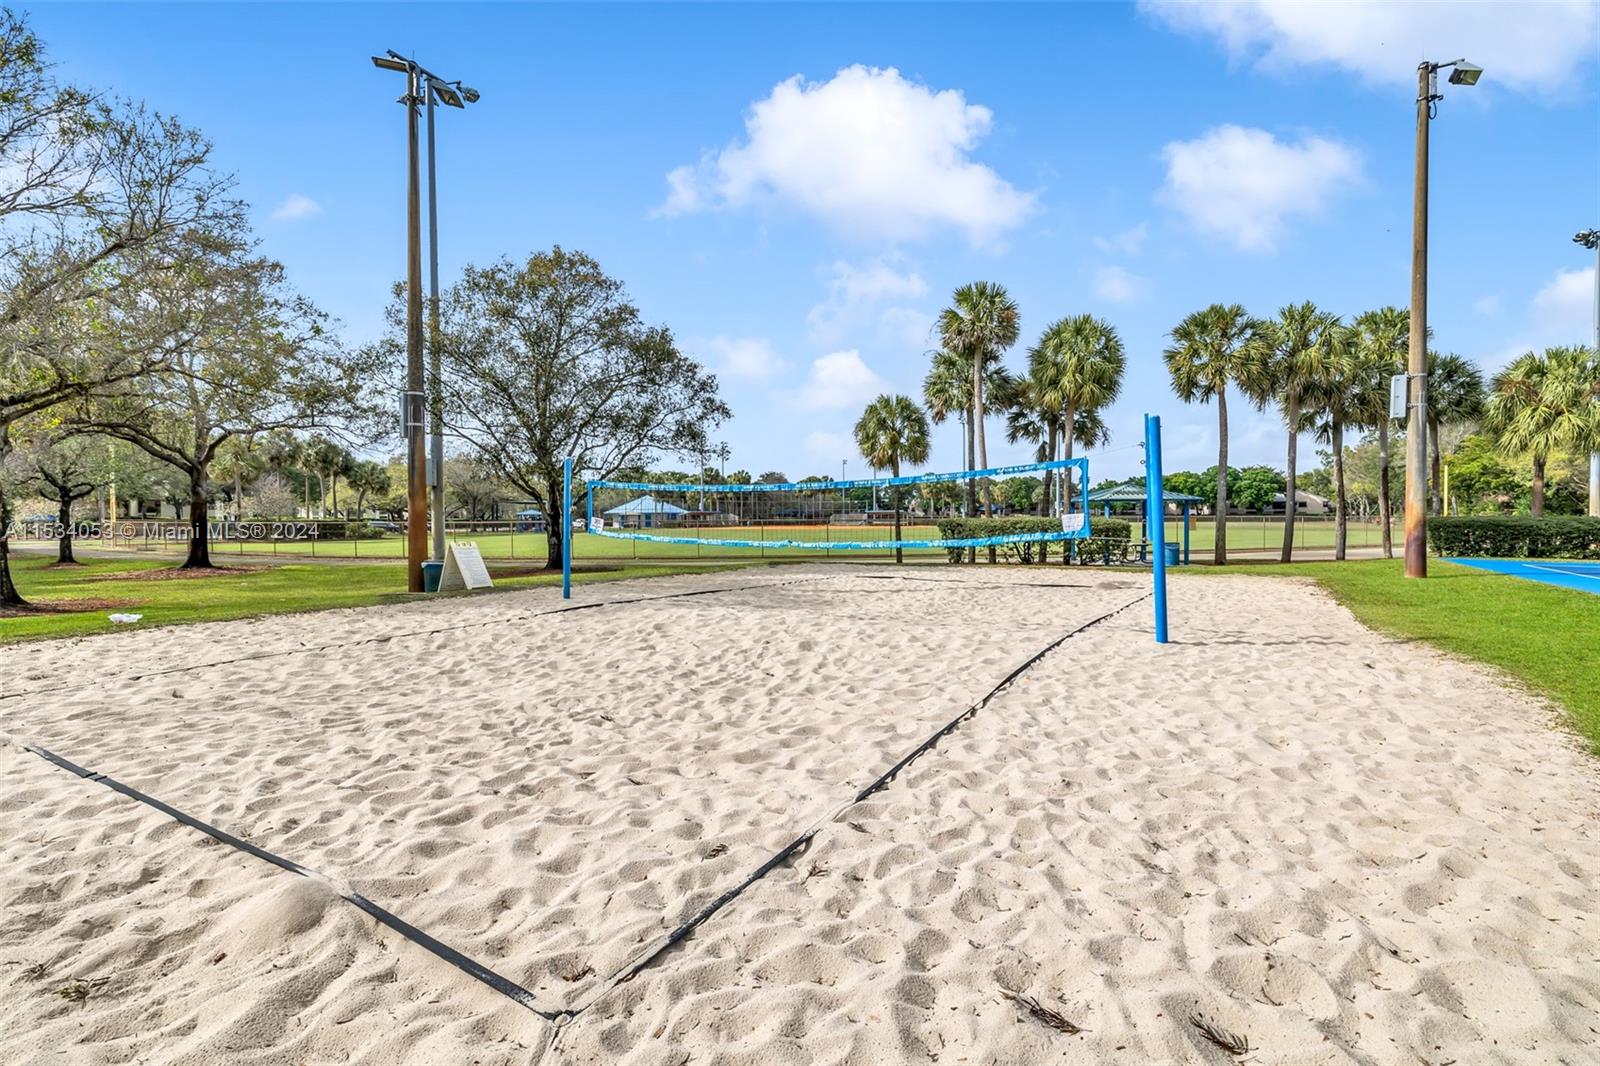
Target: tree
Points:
(368, 478)
(1211, 349)
(1187, 482)
(1481, 482)
(1541, 403)
(63, 468)
(1335, 401)
(893, 430)
(1255, 487)
(244, 356)
(1381, 340)
(547, 359)
(1455, 397)
(1301, 352)
(241, 461)
(1076, 368)
(92, 196)
(980, 324)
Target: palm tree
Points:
(284, 451)
(367, 477)
(1300, 354)
(1455, 395)
(1211, 349)
(981, 323)
(1027, 421)
(1542, 403)
(1333, 400)
(1076, 366)
(1381, 340)
(892, 430)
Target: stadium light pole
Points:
(452, 94)
(1463, 73)
(411, 405)
(1590, 239)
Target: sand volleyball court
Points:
(635, 833)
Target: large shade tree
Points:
(548, 359)
(92, 195)
(63, 468)
(244, 356)
(980, 324)
(892, 431)
(1076, 367)
(1211, 349)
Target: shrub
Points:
(353, 530)
(1516, 537)
(1109, 540)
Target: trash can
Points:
(430, 575)
(1172, 555)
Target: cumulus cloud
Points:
(1243, 185)
(857, 295)
(1128, 242)
(1538, 46)
(868, 152)
(296, 207)
(1567, 301)
(748, 358)
(839, 380)
(1116, 285)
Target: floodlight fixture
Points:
(390, 63)
(472, 95)
(1464, 73)
(1589, 238)
(445, 93)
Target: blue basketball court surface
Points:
(1567, 573)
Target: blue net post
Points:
(566, 529)
(1156, 511)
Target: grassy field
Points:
(270, 590)
(1543, 636)
(1245, 534)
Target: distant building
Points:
(1304, 503)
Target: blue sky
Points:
(795, 190)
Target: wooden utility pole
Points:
(416, 457)
(1417, 357)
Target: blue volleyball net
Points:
(828, 515)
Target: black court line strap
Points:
(313, 649)
(470, 966)
(801, 842)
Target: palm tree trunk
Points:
(1383, 487)
(972, 486)
(1538, 486)
(1065, 477)
(238, 495)
(305, 490)
(335, 485)
(977, 425)
(1290, 504)
(1340, 508)
(1219, 554)
(1436, 486)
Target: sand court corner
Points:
(1281, 828)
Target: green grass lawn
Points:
(1543, 636)
(272, 590)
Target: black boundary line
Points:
(310, 649)
(801, 842)
(470, 966)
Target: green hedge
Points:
(1110, 540)
(1516, 537)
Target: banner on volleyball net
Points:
(840, 515)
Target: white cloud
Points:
(296, 207)
(1128, 242)
(868, 152)
(1538, 46)
(1116, 285)
(1567, 301)
(839, 380)
(1488, 304)
(856, 294)
(749, 358)
(1243, 185)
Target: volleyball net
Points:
(846, 515)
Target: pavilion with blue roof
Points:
(1133, 492)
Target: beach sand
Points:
(1333, 846)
